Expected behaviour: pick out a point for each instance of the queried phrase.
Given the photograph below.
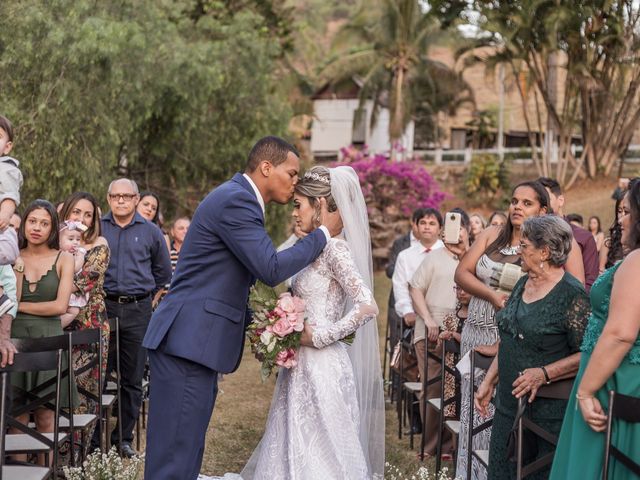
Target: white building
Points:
(334, 125)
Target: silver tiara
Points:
(316, 177)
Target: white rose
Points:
(266, 337)
(272, 345)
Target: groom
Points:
(198, 329)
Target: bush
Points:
(486, 179)
(392, 190)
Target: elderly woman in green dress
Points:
(541, 329)
(610, 361)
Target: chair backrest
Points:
(627, 409)
(43, 344)
(560, 390)
(31, 362)
(448, 346)
(482, 362)
(86, 337)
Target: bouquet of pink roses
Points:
(274, 333)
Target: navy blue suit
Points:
(198, 329)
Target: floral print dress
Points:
(94, 315)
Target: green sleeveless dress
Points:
(34, 326)
(580, 451)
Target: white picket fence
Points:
(516, 155)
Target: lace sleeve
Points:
(364, 307)
(576, 319)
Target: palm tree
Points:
(390, 41)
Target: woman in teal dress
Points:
(44, 277)
(610, 361)
(540, 329)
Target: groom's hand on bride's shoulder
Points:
(331, 220)
(306, 338)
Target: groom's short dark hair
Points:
(272, 149)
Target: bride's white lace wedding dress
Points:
(312, 431)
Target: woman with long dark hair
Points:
(149, 207)
(611, 250)
(595, 227)
(479, 273)
(610, 361)
(44, 277)
(82, 207)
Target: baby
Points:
(10, 185)
(70, 240)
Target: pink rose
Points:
(286, 358)
(286, 303)
(296, 320)
(282, 327)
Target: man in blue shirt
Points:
(139, 266)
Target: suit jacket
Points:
(204, 315)
(400, 244)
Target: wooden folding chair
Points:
(482, 362)
(424, 384)
(112, 393)
(406, 388)
(30, 441)
(440, 404)
(89, 340)
(560, 390)
(627, 409)
(46, 344)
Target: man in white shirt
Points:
(429, 226)
(428, 223)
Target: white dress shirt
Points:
(256, 191)
(408, 262)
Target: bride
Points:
(327, 414)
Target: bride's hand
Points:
(307, 336)
(331, 220)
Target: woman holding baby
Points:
(80, 235)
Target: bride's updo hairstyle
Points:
(316, 184)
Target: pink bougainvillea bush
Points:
(392, 190)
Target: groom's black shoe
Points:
(127, 450)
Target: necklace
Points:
(510, 250)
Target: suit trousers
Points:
(183, 394)
(133, 318)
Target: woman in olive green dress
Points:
(541, 329)
(44, 277)
(610, 361)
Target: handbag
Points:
(403, 359)
(529, 441)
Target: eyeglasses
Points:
(127, 197)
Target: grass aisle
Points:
(243, 404)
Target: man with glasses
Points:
(139, 266)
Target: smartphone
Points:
(452, 225)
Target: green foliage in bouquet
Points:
(266, 345)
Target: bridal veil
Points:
(365, 351)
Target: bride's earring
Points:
(316, 219)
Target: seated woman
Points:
(44, 277)
(610, 361)
(540, 330)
